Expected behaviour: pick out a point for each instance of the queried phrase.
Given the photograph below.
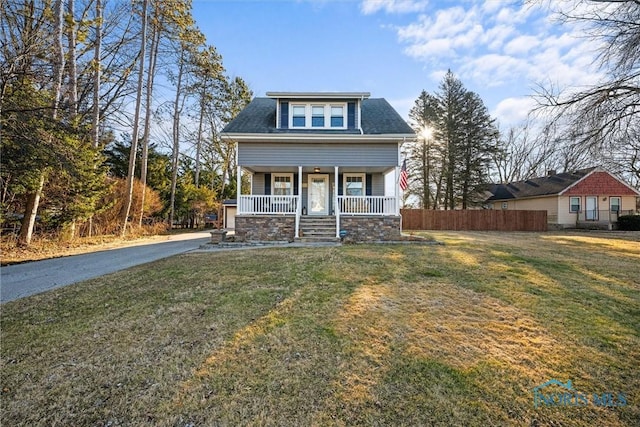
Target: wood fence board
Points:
(474, 220)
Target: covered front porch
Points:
(353, 198)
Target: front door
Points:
(592, 209)
(318, 196)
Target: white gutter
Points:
(302, 137)
(319, 95)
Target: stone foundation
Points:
(370, 228)
(264, 228)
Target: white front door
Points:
(592, 209)
(318, 196)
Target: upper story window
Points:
(298, 116)
(325, 116)
(317, 116)
(337, 116)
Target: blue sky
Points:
(394, 49)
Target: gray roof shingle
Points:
(378, 118)
(543, 186)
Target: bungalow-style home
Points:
(586, 198)
(321, 165)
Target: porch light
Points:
(316, 169)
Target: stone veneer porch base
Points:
(264, 228)
(370, 228)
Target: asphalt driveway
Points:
(21, 280)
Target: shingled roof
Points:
(535, 187)
(378, 118)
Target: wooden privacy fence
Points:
(474, 220)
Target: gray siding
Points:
(311, 154)
(377, 185)
(258, 184)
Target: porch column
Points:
(336, 206)
(397, 190)
(299, 204)
(239, 188)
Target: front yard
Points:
(453, 334)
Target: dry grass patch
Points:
(46, 247)
(458, 334)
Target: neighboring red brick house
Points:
(589, 197)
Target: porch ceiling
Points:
(323, 169)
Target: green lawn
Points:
(452, 334)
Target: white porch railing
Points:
(367, 205)
(255, 205)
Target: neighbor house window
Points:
(615, 203)
(299, 116)
(505, 205)
(317, 116)
(337, 116)
(282, 184)
(354, 185)
(574, 204)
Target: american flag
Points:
(404, 177)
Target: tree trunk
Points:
(176, 143)
(96, 78)
(136, 124)
(199, 141)
(33, 198)
(153, 54)
(71, 60)
(31, 211)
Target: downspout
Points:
(360, 115)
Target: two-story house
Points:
(321, 165)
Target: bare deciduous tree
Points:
(606, 115)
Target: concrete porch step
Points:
(318, 228)
(316, 239)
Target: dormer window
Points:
(298, 117)
(337, 116)
(319, 116)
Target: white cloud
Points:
(432, 48)
(504, 49)
(494, 38)
(521, 45)
(512, 111)
(493, 70)
(369, 7)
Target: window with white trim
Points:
(318, 116)
(298, 116)
(354, 184)
(615, 203)
(574, 204)
(282, 184)
(337, 116)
